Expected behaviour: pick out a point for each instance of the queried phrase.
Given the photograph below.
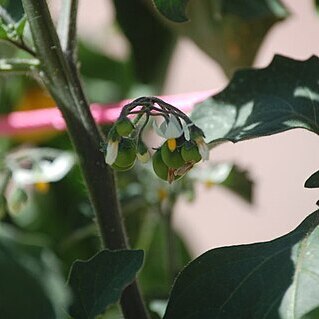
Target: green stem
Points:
(64, 85)
(67, 27)
(18, 66)
(167, 214)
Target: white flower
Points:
(31, 166)
(169, 129)
(111, 151)
(186, 127)
(202, 148)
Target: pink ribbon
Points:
(51, 118)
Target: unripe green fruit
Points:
(171, 159)
(126, 153)
(124, 126)
(159, 167)
(122, 169)
(190, 152)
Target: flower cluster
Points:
(183, 144)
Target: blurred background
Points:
(279, 165)
(128, 50)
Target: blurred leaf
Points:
(230, 31)
(314, 314)
(3, 32)
(172, 9)
(151, 41)
(156, 279)
(261, 102)
(31, 284)
(270, 280)
(20, 25)
(97, 66)
(313, 181)
(225, 174)
(15, 9)
(239, 182)
(99, 282)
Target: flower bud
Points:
(124, 126)
(143, 154)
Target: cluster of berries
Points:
(183, 147)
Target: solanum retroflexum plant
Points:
(183, 144)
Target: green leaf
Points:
(98, 282)
(3, 32)
(231, 32)
(172, 9)
(313, 181)
(141, 26)
(269, 280)
(239, 182)
(225, 174)
(20, 25)
(261, 102)
(250, 9)
(31, 284)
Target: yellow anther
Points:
(42, 187)
(171, 143)
(162, 194)
(209, 184)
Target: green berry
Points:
(159, 167)
(126, 153)
(171, 159)
(124, 126)
(190, 152)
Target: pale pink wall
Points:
(278, 164)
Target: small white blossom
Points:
(202, 148)
(111, 151)
(43, 165)
(169, 129)
(186, 127)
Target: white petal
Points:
(158, 129)
(186, 131)
(111, 152)
(56, 170)
(203, 149)
(44, 170)
(174, 129)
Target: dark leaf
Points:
(30, 282)
(313, 181)
(20, 25)
(151, 41)
(99, 282)
(172, 9)
(270, 280)
(3, 32)
(239, 182)
(261, 102)
(230, 31)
